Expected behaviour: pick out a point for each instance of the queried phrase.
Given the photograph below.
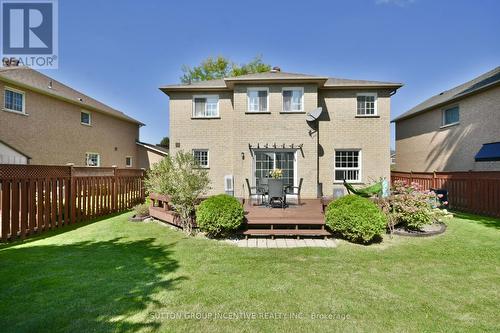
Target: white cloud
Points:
(400, 3)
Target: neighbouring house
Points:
(148, 154)
(243, 127)
(456, 130)
(46, 122)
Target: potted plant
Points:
(276, 173)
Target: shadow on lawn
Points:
(85, 286)
(483, 220)
(56, 231)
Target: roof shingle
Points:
(325, 82)
(40, 82)
(481, 82)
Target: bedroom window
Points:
(206, 106)
(367, 104)
(293, 99)
(14, 100)
(258, 99)
(451, 116)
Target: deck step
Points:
(287, 232)
(284, 220)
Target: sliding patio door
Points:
(267, 160)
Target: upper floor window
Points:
(348, 165)
(367, 104)
(206, 106)
(258, 99)
(14, 100)
(128, 161)
(451, 116)
(92, 159)
(85, 118)
(293, 99)
(201, 157)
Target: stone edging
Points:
(441, 230)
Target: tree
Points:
(221, 67)
(183, 180)
(165, 142)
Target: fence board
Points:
(36, 198)
(474, 191)
(5, 209)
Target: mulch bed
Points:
(436, 228)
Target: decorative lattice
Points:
(8, 171)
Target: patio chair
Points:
(276, 193)
(295, 190)
(254, 191)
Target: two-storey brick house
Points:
(43, 121)
(243, 127)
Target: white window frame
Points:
(131, 162)
(375, 104)
(208, 157)
(359, 168)
(205, 113)
(5, 108)
(443, 116)
(90, 118)
(87, 159)
(257, 89)
(283, 99)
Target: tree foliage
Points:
(183, 180)
(165, 142)
(221, 67)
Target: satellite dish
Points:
(314, 114)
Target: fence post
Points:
(470, 195)
(434, 180)
(141, 182)
(115, 191)
(72, 195)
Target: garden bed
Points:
(436, 228)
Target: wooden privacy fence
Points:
(474, 191)
(36, 198)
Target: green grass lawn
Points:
(119, 276)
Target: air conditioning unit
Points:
(229, 184)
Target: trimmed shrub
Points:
(219, 215)
(142, 209)
(355, 218)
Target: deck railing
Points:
(37, 198)
(473, 191)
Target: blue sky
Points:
(120, 52)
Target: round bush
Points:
(355, 218)
(219, 215)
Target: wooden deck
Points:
(304, 220)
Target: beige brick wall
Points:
(422, 145)
(51, 133)
(340, 128)
(146, 158)
(228, 137)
